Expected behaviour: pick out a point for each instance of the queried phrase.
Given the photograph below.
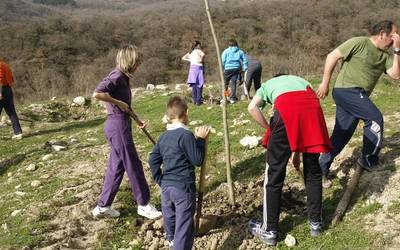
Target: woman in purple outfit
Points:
(116, 92)
(196, 71)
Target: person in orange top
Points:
(7, 99)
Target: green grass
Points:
(247, 165)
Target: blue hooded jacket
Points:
(233, 58)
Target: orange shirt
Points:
(6, 76)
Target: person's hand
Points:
(143, 125)
(396, 41)
(202, 131)
(322, 91)
(123, 106)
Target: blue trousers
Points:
(7, 102)
(352, 105)
(123, 158)
(197, 94)
(178, 208)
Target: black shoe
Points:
(369, 167)
(316, 228)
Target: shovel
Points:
(135, 117)
(207, 222)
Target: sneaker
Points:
(316, 228)
(326, 182)
(149, 211)
(105, 212)
(17, 137)
(368, 167)
(232, 101)
(268, 237)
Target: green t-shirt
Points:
(277, 86)
(363, 64)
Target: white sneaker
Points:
(108, 212)
(149, 211)
(17, 137)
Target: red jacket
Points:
(304, 122)
(6, 76)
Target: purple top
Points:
(116, 84)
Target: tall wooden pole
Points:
(224, 113)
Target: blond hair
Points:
(176, 108)
(127, 57)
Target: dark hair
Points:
(385, 26)
(176, 107)
(195, 44)
(233, 42)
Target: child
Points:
(233, 61)
(116, 92)
(179, 151)
(196, 71)
(7, 99)
(297, 115)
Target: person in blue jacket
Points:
(233, 62)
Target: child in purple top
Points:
(116, 92)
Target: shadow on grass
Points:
(72, 126)
(16, 159)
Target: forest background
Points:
(65, 47)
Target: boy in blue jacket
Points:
(233, 61)
(179, 151)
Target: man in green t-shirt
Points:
(364, 59)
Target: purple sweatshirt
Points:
(116, 84)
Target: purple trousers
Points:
(178, 209)
(123, 157)
(196, 81)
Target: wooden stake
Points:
(344, 202)
(201, 188)
(224, 113)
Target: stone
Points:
(290, 241)
(79, 100)
(196, 122)
(162, 87)
(158, 224)
(150, 87)
(220, 134)
(133, 242)
(58, 148)
(180, 87)
(31, 167)
(47, 157)
(15, 212)
(35, 183)
(4, 227)
(20, 193)
(9, 174)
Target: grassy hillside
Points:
(56, 212)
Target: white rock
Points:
(162, 87)
(15, 212)
(250, 141)
(18, 186)
(53, 98)
(196, 122)
(9, 174)
(180, 87)
(58, 148)
(47, 157)
(209, 108)
(4, 227)
(73, 140)
(35, 183)
(133, 242)
(220, 134)
(79, 100)
(150, 87)
(212, 130)
(290, 241)
(20, 193)
(91, 139)
(31, 167)
(164, 94)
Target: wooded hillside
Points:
(66, 49)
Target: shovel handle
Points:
(135, 117)
(201, 187)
